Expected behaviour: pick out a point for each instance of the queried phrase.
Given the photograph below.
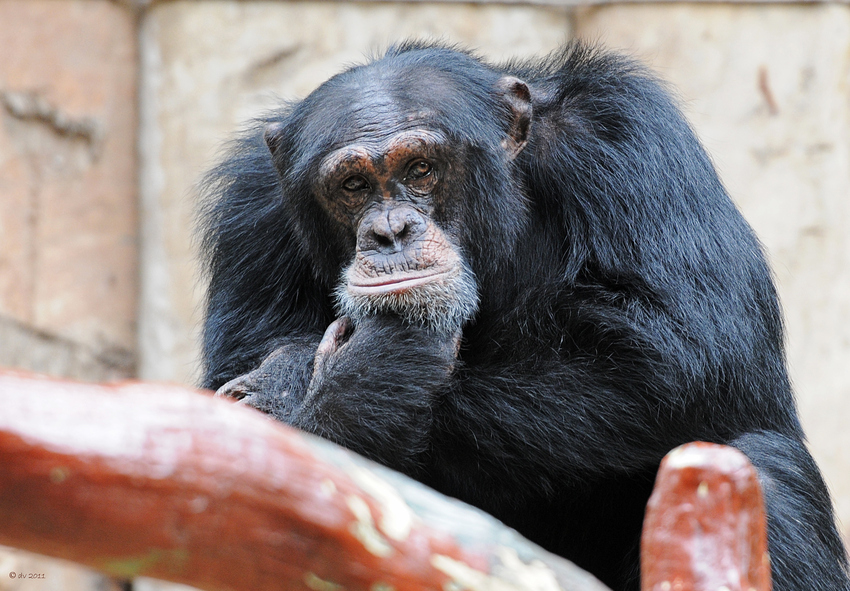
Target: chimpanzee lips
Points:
(394, 283)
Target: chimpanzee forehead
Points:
(372, 103)
(374, 114)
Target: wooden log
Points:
(705, 526)
(162, 481)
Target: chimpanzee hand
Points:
(278, 385)
(376, 333)
(374, 384)
(368, 386)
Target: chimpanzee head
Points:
(398, 177)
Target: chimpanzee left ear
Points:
(517, 97)
(273, 136)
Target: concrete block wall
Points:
(110, 111)
(68, 191)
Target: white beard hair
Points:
(442, 306)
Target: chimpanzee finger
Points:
(237, 388)
(335, 336)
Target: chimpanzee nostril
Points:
(382, 230)
(383, 241)
(407, 223)
(391, 230)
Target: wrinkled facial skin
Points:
(386, 192)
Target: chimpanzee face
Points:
(387, 190)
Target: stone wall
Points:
(110, 111)
(68, 206)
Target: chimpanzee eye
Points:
(418, 170)
(355, 183)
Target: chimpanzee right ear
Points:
(273, 136)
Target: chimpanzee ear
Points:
(517, 98)
(273, 136)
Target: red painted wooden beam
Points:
(162, 481)
(705, 526)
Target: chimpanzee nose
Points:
(391, 229)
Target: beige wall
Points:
(68, 238)
(97, 275)
(768, 89)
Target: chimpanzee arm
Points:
(263, 294)
(622, 386)
(806, 551)
(554, 423)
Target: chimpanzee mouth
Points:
(395, 283)
(439, 297)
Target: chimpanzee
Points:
(520, 284)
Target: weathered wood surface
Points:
(162, 481)
(705, 526)
(145, 479)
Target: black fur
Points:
(625, 307)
